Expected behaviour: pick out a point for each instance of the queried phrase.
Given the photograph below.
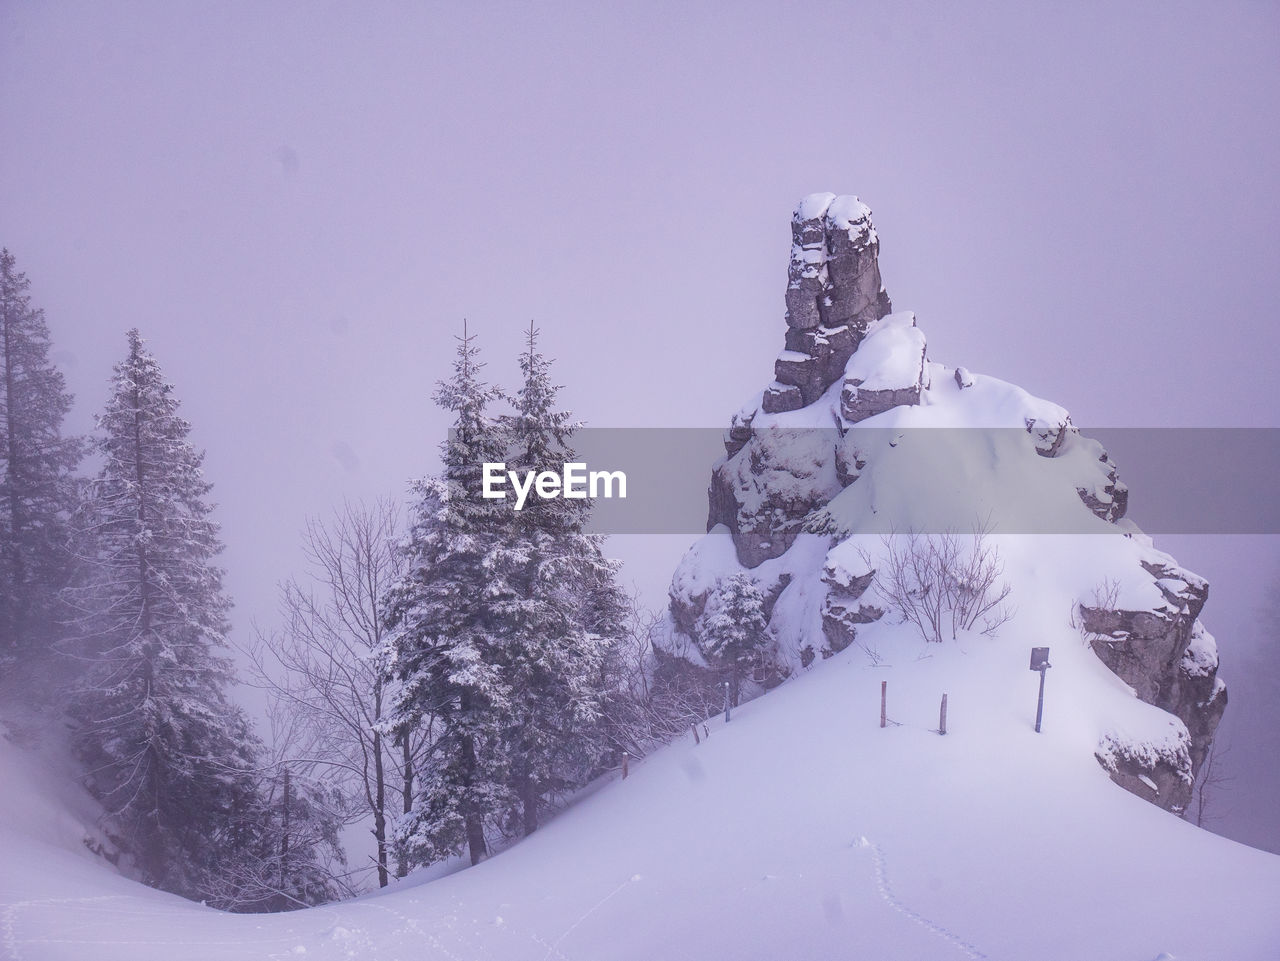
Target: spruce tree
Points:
(567, 616)
(37, 490)
(446, 618)
(169, 757)
(733, 630)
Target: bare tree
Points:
(658, 689)
(944, 583)
(291, 854)
(1106, 597)
(1212, 778)
(323, 673)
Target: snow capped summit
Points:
(863, 463)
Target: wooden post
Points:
(942, 716)
(696, 739)
(624, 765)
(1040, 701)
(727, 713)
(706, 731)
(884, 687)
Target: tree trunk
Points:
(473, 818)
(379, 790)
(528, 792)
(144, 578)
(380, 808)
(18, 591)
(402, 856)
(284, 839)
(475, 838)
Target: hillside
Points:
(799, 830)
(803, 828)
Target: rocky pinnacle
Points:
(833, 295)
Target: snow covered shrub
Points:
(734, 629)
(944, 583)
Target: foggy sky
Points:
(298, 204)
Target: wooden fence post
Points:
(696, 739)
(942, 716)
(625, 770)
(884, 687)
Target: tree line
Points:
(452, 671)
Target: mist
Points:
(299, 206)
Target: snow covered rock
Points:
(861, 439)
(764, 497)
(1157, 769)
(1165, 654)
(833, 295)
(887, 370)
(779, 397)
(844, 608)
(1109, 497)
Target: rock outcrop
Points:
(821, 459)
(834, 295)
(1165, 654)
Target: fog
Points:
(299, 204)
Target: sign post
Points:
(1040, 662)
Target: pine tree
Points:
(733, 629)
(37, 490)
(567, 616)
(168, 756)
(446, 630)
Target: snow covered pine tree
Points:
(37, 489)
(168, 756)
(567, 618)
(734, 631)
(445, 618)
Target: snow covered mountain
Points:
(805, 827)
(862, 440)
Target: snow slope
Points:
(799, 830)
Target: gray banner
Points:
(1179, 480)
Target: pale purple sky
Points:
(298, 203)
